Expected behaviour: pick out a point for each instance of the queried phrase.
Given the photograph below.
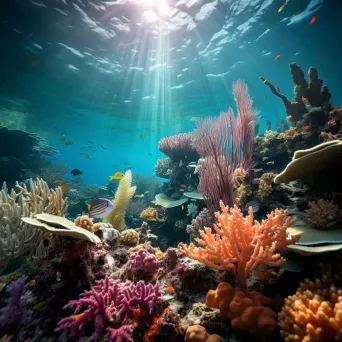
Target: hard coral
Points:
(265, 186)
(240, 244)
(323, 214)
(142, 260)
(314, 313)
(246, 309)
(129, 237)
(197, 333)
(149, 212)
(84, 222)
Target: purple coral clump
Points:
(178, 146)
(203, 219)
(109, 301)
(142, 294)
(15, 312)
(122, 334)
(143, 260)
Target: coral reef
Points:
(238, 244)
(85, 222)
(129, 237)
(203, 219)
(123, 196)
(314, 313)
(163, 167)
(197, 333)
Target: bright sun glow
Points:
(150, 16)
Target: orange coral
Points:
(314, 313)
(197, 333)
(240, 245)
(246, 309)
(84, 222)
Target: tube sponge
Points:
(123, 195)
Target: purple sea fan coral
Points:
(143, 260)
(179, 146)
(226, 143)
(102, 304)
(15, 312)
(142, 294)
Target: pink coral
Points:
(240, 244)
(122, 334)
(226, 144)
(143, 260)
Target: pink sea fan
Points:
(178, 147)
(143, 260)
(226, 143)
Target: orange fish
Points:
(313, 20)
(64, 186)
(182, 185)
(332, 122)
(151, 218)
(171, 290)
(277, 57)
(306, 127)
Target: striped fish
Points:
(255, 204)
(101, 207)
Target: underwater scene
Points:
(170, 170)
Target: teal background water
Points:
(104, 71)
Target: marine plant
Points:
(240, 244)
(123, 196)
(226, 144)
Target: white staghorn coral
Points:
(16, 237)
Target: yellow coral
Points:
(323, 214)
(149, 212)
(314, 313)
(265, 186)
(290, 134)
(129, 237)
(239, 176)
(84, 222)
(123, 195)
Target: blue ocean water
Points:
(125, 73)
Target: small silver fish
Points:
(254, 204)
(270, 163)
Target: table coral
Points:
(246, 309)
(314, 313)
(239, 244)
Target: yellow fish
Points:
(161, 220)
(156, 203)
(138, 196)
(116, 176)
(39, 305)
(282, 7)
(179, 75)
(146, 192)
(182, 207)
(87, 156)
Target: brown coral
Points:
(265, 186)
(323, 214)
(314, 313)
(246, 309)
(84, 222)
(197, 333)
(129, 237)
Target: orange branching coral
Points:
(314, 313)
(290, 134)
(323, 214)
(197, 333)
(265, 186)
(239, 244)
(84, 222)
(246, 309)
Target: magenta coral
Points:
(178, 146)
(239, 244)
(101, 302)
(226, 143)
(144, 295)
(122, 334)
(142, 260)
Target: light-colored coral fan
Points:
(16, 237)
(247, 310)
(84, 222)
(314, 313)
(323, 214)
(129, 237)
(265, 186)
(239, 244)
(123, 196)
